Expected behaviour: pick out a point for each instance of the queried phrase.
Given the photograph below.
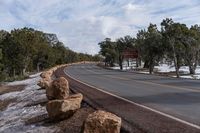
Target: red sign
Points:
(130, 54)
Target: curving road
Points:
(177, 97)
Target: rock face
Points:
(102, 122)
(61, 109)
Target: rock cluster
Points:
(61, 105)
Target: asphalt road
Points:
(177, 97)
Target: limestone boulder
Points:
(60, 88)
(102, 122)
(62, 109)
(57, 89)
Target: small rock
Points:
(61, 109)
(44, 82)
(102, 122)
(46, 74)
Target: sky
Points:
(82, 24)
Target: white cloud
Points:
(81, 24)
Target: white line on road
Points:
(140, 105)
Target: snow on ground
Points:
(32, 80)
(118, 68)
(164, 68)
(190, 76)
(24, 108)
(183, 69)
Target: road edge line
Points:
(137, 104)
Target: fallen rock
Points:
(61, 109)
(102, 122)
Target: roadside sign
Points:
(130, 53)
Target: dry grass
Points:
(7, 89)
(4, 103)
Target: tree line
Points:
(174, 42)
(26, 50)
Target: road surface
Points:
(177, 97)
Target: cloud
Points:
(81, 24)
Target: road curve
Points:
(177, 97)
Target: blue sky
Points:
(81, 24)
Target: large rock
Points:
(102, 122)
(61, 109)
(57, 89)
(60, 88)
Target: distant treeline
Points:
(27, 50)
(174, 42)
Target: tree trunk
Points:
(137, 62)
(146, 64)
(128, 62)
(175, 60)
(38, 66)
(23, 71)
(176, 66)
(14, 73)
(192, 69)
(151, 66)
(120, 63)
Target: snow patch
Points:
(26, 106)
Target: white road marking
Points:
(140, 105)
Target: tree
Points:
(191, 41)
(150, 45)
(24, 38)
(172, 33)
(123, 44)
(140, 41)
(108, 51)
(11, 55)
